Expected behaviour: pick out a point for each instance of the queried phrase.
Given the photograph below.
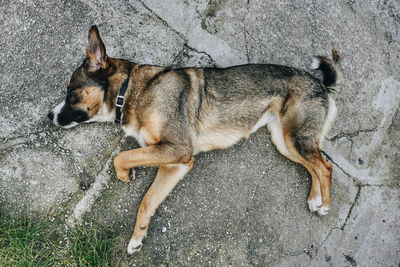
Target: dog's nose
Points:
(50, 115)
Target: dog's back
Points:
(219, 106)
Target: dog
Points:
(176, 113)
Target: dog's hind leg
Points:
(302, 136)
(167, 177)
(317, 166)
(314, 199)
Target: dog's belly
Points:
(220, 138)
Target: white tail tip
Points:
(315, 63)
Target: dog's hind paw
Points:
(314, 204)
(134, 246)
(323, 211)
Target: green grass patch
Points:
(26, 241)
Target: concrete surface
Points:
(241, 207)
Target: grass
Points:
(32, 242)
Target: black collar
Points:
(120, 98)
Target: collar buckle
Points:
(120, 101)
(120, 98)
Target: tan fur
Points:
(140, 75)
(167, 177)
(151, 129)
(116, 81)
(215, 138)
(177, 113)
(92, 100)
(318, 169)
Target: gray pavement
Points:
(244, 206)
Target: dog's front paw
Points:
(125, 175)
(134, 246)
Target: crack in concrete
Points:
(313, 23)
(352, 134)
(84, 205)
(131, 6)
(162, 20)
(323, 242)
(187, 47)
(166, 24)
(246, 32)
(200, 52)
(246, 46)
(355, 201)
(357, 175)
(355, 181)
(351, 208)
(6, 143)
(350, 172)
(80, 194)
(350, 4)
(178, 55)
(305, 251)
(341, 228)
(106, 155)
(43, 139)
(12, 142)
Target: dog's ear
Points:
(96, 51)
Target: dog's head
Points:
(86, 89)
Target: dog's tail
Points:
(331, 71)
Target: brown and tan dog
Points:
(177, 113)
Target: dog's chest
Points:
(138, 133)
(146, 132)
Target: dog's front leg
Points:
(167, 177)
(155, 155)
(175, 160)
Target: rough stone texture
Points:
(375, 222)
(244, 206)
(37, 176)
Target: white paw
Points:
(314, 204)
(323, 210)
(134, 246)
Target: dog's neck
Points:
(119, 103)
(138, 79)
(118, 80)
